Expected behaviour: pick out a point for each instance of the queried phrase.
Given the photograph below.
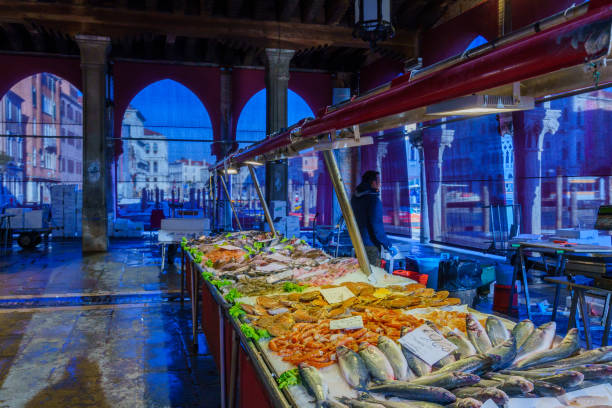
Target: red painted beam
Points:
(573, 43)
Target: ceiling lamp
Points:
(253, 163)
(480, 105)
(230, 170)
(373, 21)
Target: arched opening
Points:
(41, 148)
(251, 127)
(167, 136)
(477, 42)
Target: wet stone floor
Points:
(98, 331)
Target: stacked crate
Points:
(66, 204)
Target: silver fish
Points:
(545, 389)
(539, 340)
(516, 385)
(506, 352)
(465, 403)
(332, 404)
(355, 403)
(483, 394)
(378, 365)
(595, 372)
(496, 331)
(398, 404)
(353, 368)
(417, 366)
(477, 334)
(477, 364)
(393, 352)
(522, 331)
(402, 389)
(447, 380)
(311, 379)
(465, 348)
(600, 355)
(512, 385)
(570, 345)
(566, 379)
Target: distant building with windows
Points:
(144, 162)
(188, 172)
(71, 126)
(30, 166)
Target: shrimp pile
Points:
(316, 343)
(451, 319)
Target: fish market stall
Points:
(308, 331)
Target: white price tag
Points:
(489, 404)
(428, 344)
(349, 323)
(336, 295)
(547, 402)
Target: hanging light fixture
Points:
(373, 21)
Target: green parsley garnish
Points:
(289, 377)
(232, 295)
(236, 310)
(293, 287)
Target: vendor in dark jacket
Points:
(368, 213)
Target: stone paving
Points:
(104, 330)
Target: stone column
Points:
(574, 206)
(94, 52)
(225, 145)
(434, 143)
(341, 93)
(530, 127)
(559, 186)
(416, 139)
(486, 210)
(277, 83)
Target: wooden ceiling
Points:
(223, 32)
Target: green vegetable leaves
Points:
(289, 377)
(207, 276)
(228, 235)
(253, 333)
(209, 263)
(232, 295)
(221, 283)
(293, 287)
(289, 247)
(236, 311)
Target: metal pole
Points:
(229, 199)
(262, 199)
(347, 211)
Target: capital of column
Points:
(277, 63)
(94, 49)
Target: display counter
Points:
(252, 368)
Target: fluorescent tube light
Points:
(253, 163)
(480, 105)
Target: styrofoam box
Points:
(34, 219)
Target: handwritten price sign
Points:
(429, 345)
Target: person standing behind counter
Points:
(368, 213)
